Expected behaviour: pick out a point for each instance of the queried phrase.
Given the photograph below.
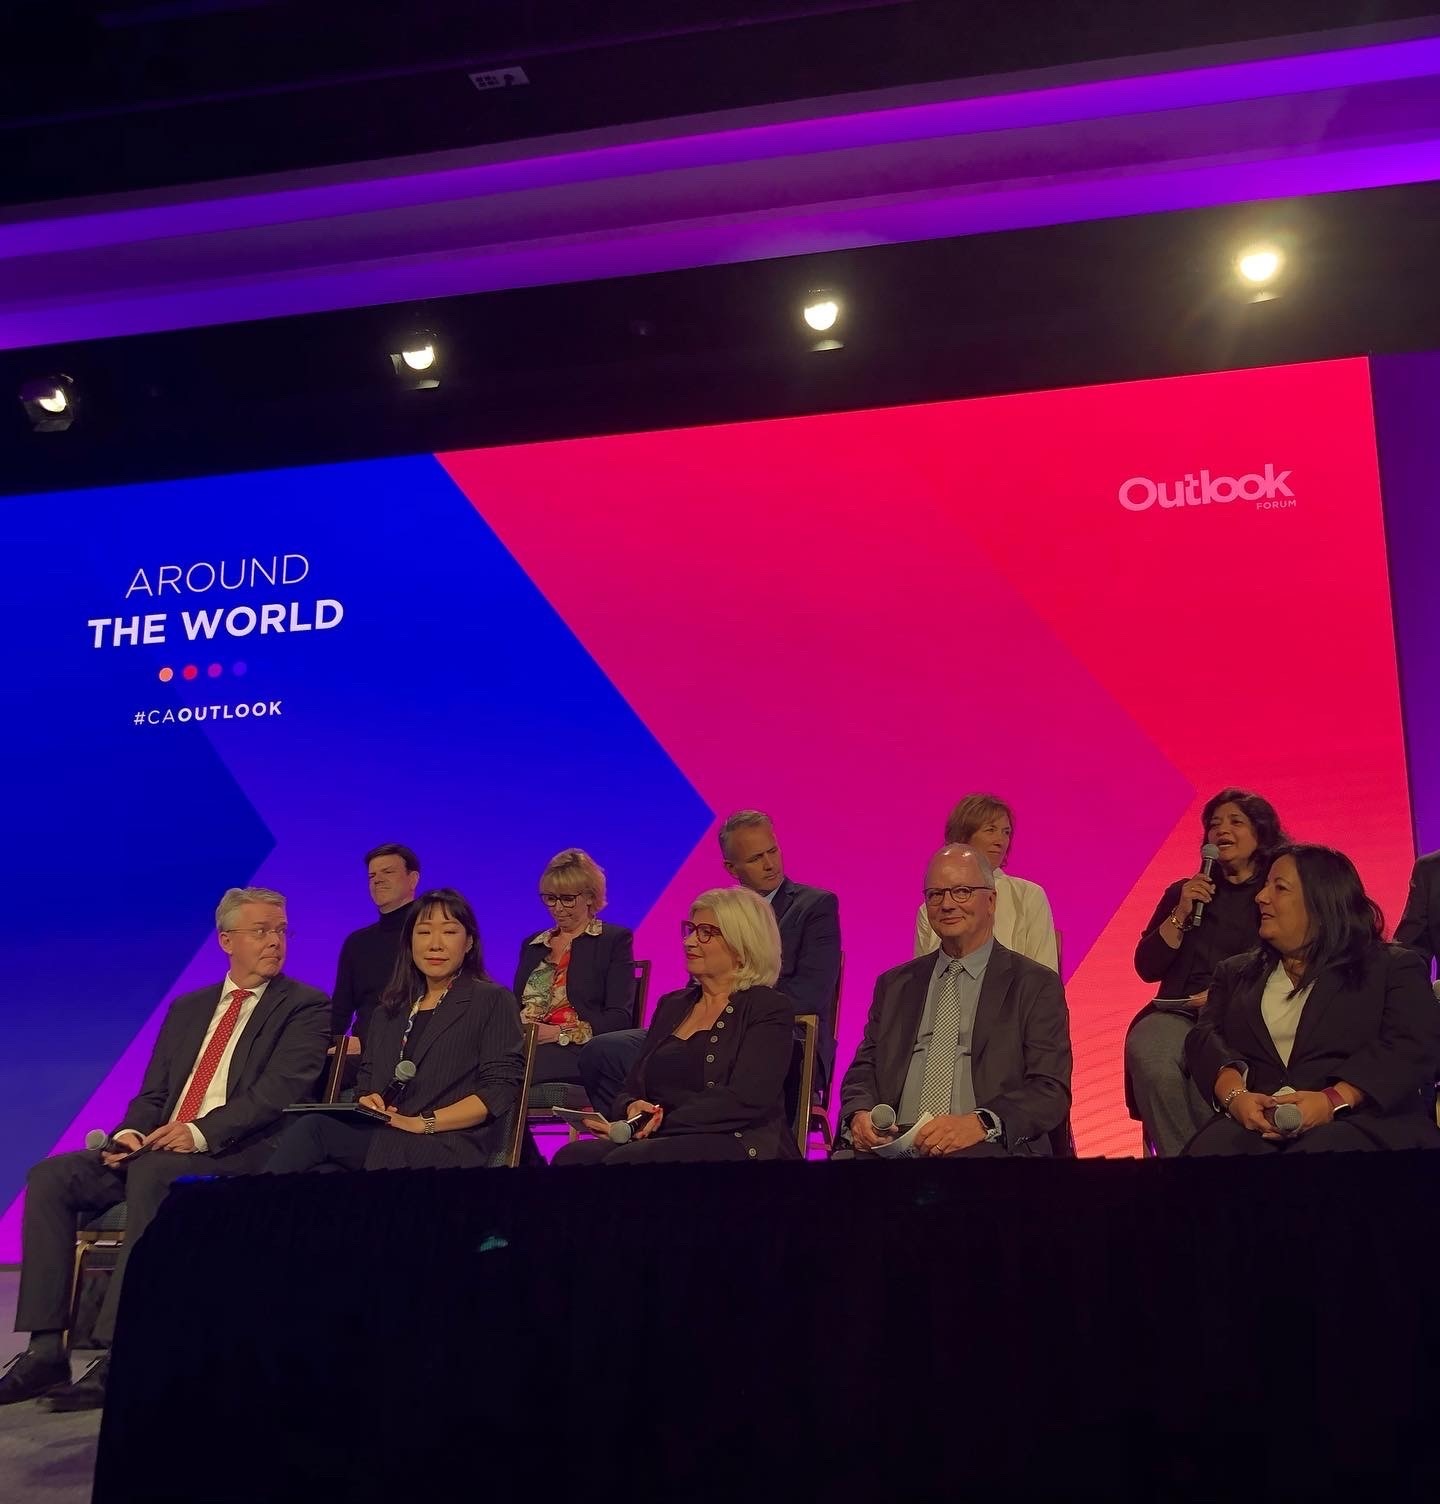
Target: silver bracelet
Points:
(1240, 1091)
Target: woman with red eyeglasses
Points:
(710, 1080)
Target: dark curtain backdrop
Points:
(1106, 1330)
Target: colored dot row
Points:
(192, 671)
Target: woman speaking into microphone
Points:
(443, 1058)
(1199, 922)
(709, 1084)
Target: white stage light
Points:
(822, 312)
(49, 403)
(1259, 265)
(415, 357)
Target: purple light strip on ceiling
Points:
(1225, 83)
(735, 239)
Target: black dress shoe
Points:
(86, 1393)
(27, 1377)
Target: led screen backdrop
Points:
(1102, 604)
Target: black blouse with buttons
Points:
(742, 1060)
(677, 1069)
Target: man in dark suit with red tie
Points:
(228, 1061)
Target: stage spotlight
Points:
(416, 361)
(1258, 268)
(821, 311)
(49, 403)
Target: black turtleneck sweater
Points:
(1230, 925)
(367, 960)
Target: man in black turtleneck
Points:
(367, 957)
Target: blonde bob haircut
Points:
(575, 871)
(747, 925)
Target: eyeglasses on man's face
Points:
(561, 900)
(263, 931)
(704, 933)
(962, 894)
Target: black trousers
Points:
(315, 1141)
(65, 1187)
(1226, 1136)
(674, 1149)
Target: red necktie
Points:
(210, 1060)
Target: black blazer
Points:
(1020, 1048)
(276, 1061)
(1381, 1033)
(1419, 926)
(745, 1091)
(601, 981)
(473, 1046)
(809, 922)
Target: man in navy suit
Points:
(809, 923)
(1419, 926)
(228, 1061)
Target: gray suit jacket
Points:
(1020, 1046)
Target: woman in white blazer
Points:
(1023, 922)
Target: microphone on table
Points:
(1209, 855)
(882, 1117)
(622, 1133)
(97, 1138)
(404, 1075)
(1286, 1117)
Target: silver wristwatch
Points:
(994, 1131)
(428, 1118)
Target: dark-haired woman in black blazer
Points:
(460, 1030)
(710, 1079)
(1323, 1016)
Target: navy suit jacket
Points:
(276, 1061)
(1419, 926)
(809, 921)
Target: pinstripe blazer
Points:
(473, 1046)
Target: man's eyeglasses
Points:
(704, 933)
(960, 895)
(561, 900)
(264, 931)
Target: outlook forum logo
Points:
(1269, 490)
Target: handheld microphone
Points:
(882, 1117)
(1286, 1117)
(622, 1133)
(1209, 855)
(97, 1138)
(404, 1075)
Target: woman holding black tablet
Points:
(461, 1033)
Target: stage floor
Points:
(44, 1459)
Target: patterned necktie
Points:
(210, 1061)
(938, 1083)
